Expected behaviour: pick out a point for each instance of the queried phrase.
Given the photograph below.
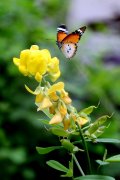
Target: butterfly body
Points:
(67, 43)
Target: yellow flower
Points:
(52, 109)
(52, 91)
(82, 120)
(22, 62)
(57, 118)
(66, 123)
(41, 100)
(65, 97)
(53, 96)
(44, 104)
(73, 116)
(38, 77)
(53, 69)
(56, 87)
(35, 62)
(62, 109)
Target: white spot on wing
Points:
(81, 33)
(69, 49)
(62, 29)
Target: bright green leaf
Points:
(47, 150)
(67, 144)
(88, 110)
(98, 127)
(56, 165)
(115, 158)
(94, 177)
(70, 171)
(68, 174)
(102, 119)
(59, 132)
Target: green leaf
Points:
(68, 174)
(88, 110)
(115, 158)
(47, 150)
(102, 119)
(98, 127)
(95, 177)
(70, 171)
(102, 163)
(69, 146)
(59, 132)
(56, 165)
(107, 140)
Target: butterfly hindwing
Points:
(68, 42)
(69, 49)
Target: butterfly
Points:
(67, 43)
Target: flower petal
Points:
(56, 87)
(46, 103)
(38, 77)
(16, 61)
(82, 120)
(57, 118)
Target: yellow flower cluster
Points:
(35, 62)
(54, 98)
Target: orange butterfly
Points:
(67, 43)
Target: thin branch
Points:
(86, 148)
(78, 165)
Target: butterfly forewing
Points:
(83, 29)
(62, 32)
(75, 36)
(61, 36)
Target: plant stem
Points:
(78, 165)
(85, 147)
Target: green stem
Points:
(86, 149)
(78, 165)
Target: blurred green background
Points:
(92, 76)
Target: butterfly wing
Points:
(69, 43)
(75, 36)
(69, 49)
(62, 32)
